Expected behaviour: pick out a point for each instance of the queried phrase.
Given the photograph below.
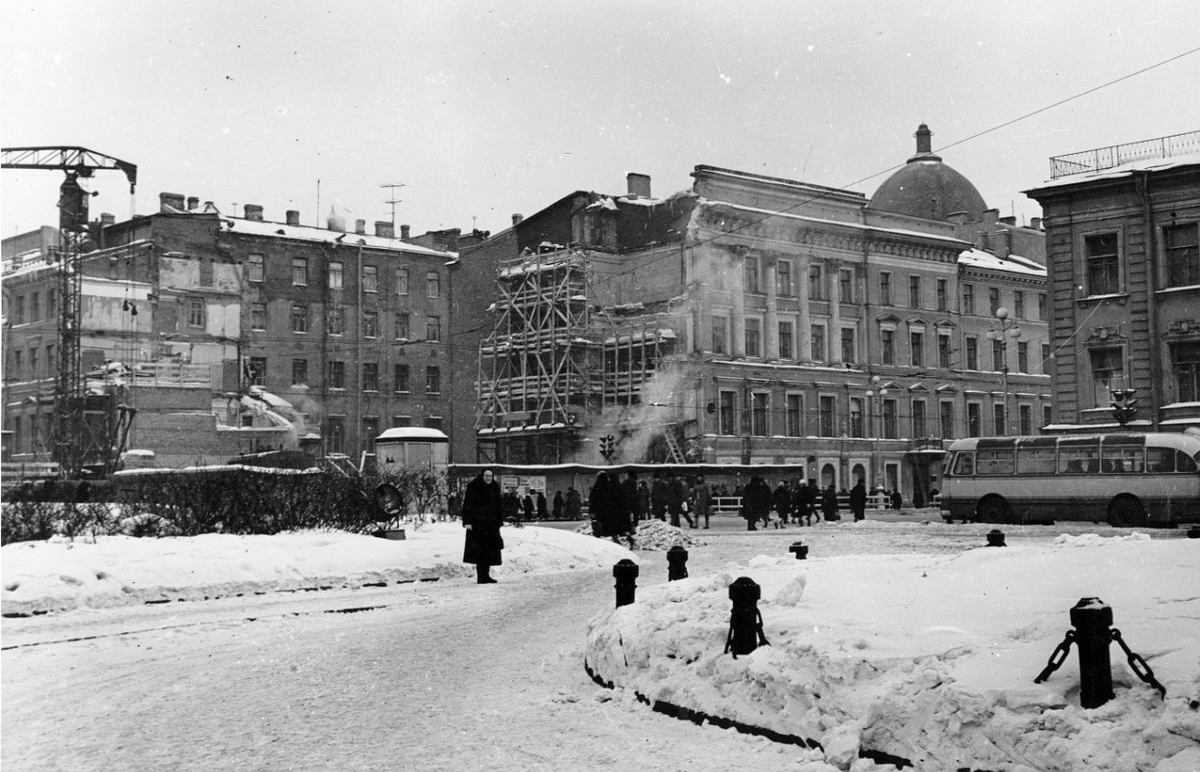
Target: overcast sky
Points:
(483, 110)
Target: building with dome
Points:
(756, 320)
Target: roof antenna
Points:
(393, 200)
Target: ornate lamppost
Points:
(1001, 332)
(876, 394)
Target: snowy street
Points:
(444, 675)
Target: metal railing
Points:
(1115, 155)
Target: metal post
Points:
(677, 563)
(995, 538)
(745, 621)
(1092, 620)
(626, 572)
(800, 550)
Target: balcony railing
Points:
(1115, 155)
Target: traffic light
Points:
(608, 445)
(1124, 405)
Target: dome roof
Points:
(926, 187)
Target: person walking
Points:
(541, 505)
(574, 504)
(702, 496)
(756, 502)
(658, 497)
(676, 498)
(482, 517)
(781, 499)
(897, 499)
(609, 512)
(630, 490)
(829, 504)
(527, 506)
(558, 505)
(858, 500)
(643, 501)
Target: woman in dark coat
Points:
(608, 509)
(558, 505)
(482, 517)
(829, 503)
(858, 500)
(756, 502)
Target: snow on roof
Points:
(400, 433)
(310, 233)
(977, 258)
(839, 223)
(1124, 170)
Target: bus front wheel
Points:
(992, 509)
(1126, 512)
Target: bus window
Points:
(964, 464)
(1160, 460)
(1035, 460)
(1078, 459)
(1118, 460)
(1184, 462)
(994, 461)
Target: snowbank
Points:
(58, 575)
(932, 658)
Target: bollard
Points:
(1194, 532)
(1092, 621)
(676, 563)
(626, 572)
(745, 621)
(996, 538)
(800, 549)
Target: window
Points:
(1183, 255)
(846, 285)
(299, 318)
(52, 302)
(335, 276)
(856, 417)
(196, 312)
(974, 420)
(783, 278)
(1019, 304)
(914, 291)
(1035, 459)
(258, 316)
(433, 285)
(435, 422)
(947, 420)
(753, 337)
(998, 355)
(400, 378)
(1025, 416)
(299, 372)
(1000, 419)
(816, 283)
(401, 421)
(849, 350)
(433, 329)
(19, 310)
(888, 340)
(750, 273)
(942, 292)
(968, 298)
(918, 418)
(370, 327)
(785, 340)
(916, 342)
(337, 320)
(794, 415)
(18, 362)
(335, 434)
(300, 271)
(337, 375)
(370, 376)
(889, 419)
(370, 279)
(758, 414)
(818, 343)
(257, 270)
(727, 412)
(401, 326)
(35, 307)
(1103, 264)
(720, 335)
(433, 380)
(1047, 415)
(972, 353)
(370, 430)
(50, 361)
(401, 281)
(1022, 358)
(1046, 359)
(828, 416)
(1042, 307)
(256, 371)
(944, 351)
(1185, 363)
(993, 300)
(885, 288)
(34, 364)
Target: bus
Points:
(1131, 480)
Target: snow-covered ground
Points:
(891, 637)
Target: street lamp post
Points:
(1006, 329)
(876, 394)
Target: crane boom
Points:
(68, 158)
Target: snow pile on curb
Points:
(932, 658)
(59, 575)
(656, 535)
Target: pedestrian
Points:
(541, 505)
(482, 516)
(454, 505)
(829, 504)
(574, 504)
(858, 500)
(756, 502)
(510, 507)
(677, 500)
(608, 509)
(527, 506)
(630, 490)
(702, 497)
(897, 499)
(558, 505)
(782, 501)
(643, 501)
(658, 497)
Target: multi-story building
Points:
(236, 334)
(1124, 258)
(753, 319)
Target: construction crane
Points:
(85, 431)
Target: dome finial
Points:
(924, 142)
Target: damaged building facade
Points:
(757, 320)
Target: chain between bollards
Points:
(625, 572)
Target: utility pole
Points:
(393, 200)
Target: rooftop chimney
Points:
(384, 229)
(360, 227)
(1034, 222)
(293, 217)
(517, 218)
(1011, 220)
(193, 203)
(170, 201)
(638, 185)
(107, 219)
(254, 212)
(924, 139)
(404, 233)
